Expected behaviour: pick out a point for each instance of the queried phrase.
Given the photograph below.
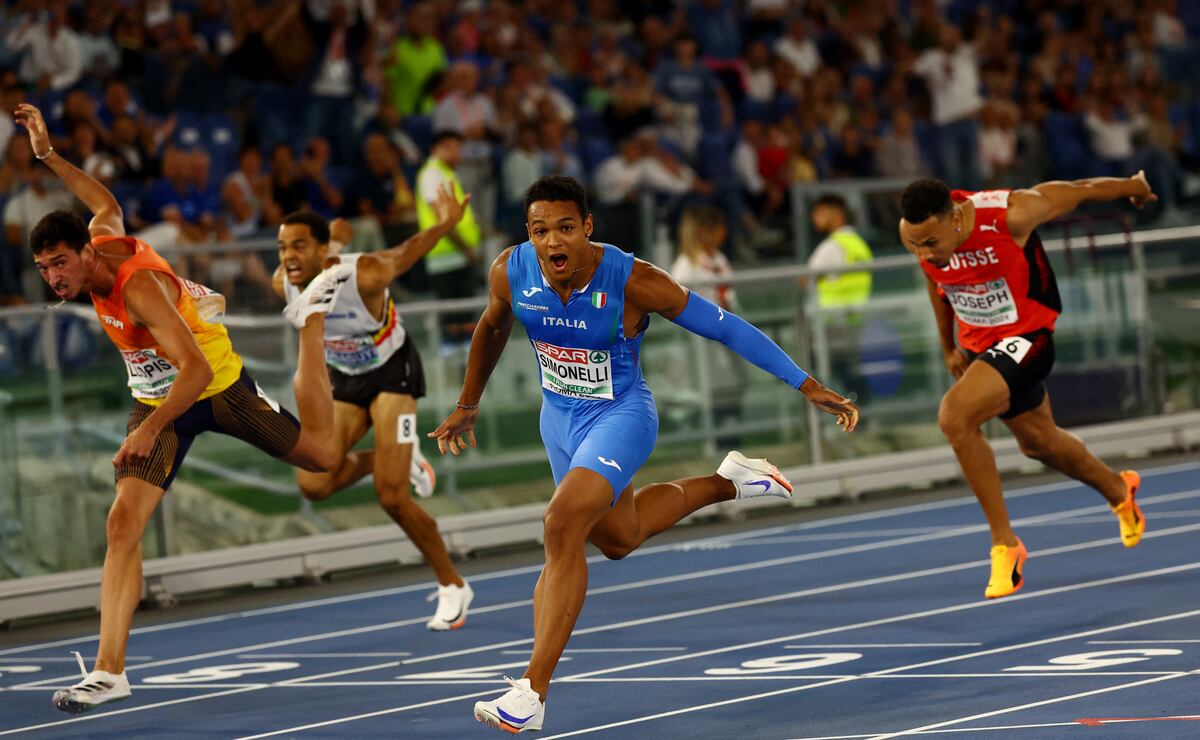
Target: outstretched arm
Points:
(491, 335)
(1029, 209)
(107, 219)
(401, 258)
(652, 290)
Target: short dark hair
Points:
(925, 198)
(59, 227)
(444, 135)
(316, 223)
(557, 188)
(831, 199)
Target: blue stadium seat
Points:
(277, 115)
(420, 128)
(595, 150)
(222, 143)
(715, 155)
(590, 123)
(755, 110)
(1068, 145)
(189, 130)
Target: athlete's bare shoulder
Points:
(277, 282)
(146, 290)
(498, 275)
(652, 289)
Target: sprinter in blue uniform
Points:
(585, 307)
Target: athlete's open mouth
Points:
(294, 272)
(559, 261)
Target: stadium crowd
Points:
(211, 120)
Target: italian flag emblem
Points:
(599, 300)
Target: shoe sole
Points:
(499, 724)
(458, 624)
(1020, 568)
(432, 480)
(764, 468)
(74, 707)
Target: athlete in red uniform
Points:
(987, 272)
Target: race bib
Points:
(1014, 347)
(983, 304)
(575, 372)
(351, 355)
(150, 376)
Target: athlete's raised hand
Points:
(447, 207)
(1147, 193)
(456, 431)
(831, 402)
(31, 118)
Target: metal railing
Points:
(69, 403)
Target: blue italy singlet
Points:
(597, 412)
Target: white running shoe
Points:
(453, 602)
(421, 474)
(520, 709)
(754, 476)
(96, 688)
(320, 294)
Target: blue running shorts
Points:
(613, 439)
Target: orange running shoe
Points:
(1007, 564)
(1129, 514)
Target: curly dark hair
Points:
(59, 227)
(316, 223)
(557, 188)
(925, 198)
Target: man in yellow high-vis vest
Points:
(452, 264)
(839, 294)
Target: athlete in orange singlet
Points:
(185, 379)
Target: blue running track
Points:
(871, 625)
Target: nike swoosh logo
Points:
(609, 463)
(514, 720)
(766, 484)
(530, 292)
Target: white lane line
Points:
(887, 645)
(999, 728)
(652, 550)
(606, 650)
(321, 655)
(1031, 705)
(117, 712)
(843, 628)
(1143, 642)
(645, 583)
(789, 638)
(898, 669)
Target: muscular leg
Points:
(350, 423)
(653, 509)
(581, 499)
(315, 450)
(980, 394)
(1043, 440)
(121, 582)
(392, 463)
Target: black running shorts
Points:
(402, 374)
(242, 410)
(1024, 362)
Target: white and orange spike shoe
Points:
(754, 477)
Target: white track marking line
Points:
(652, 550)
(115, 712)
(605, 650)
(756, 565)
(887, 645)
(1031, 705)
(843, 628)
(271, 656)
(898, 669)
(1143, 642)
(993, 728)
